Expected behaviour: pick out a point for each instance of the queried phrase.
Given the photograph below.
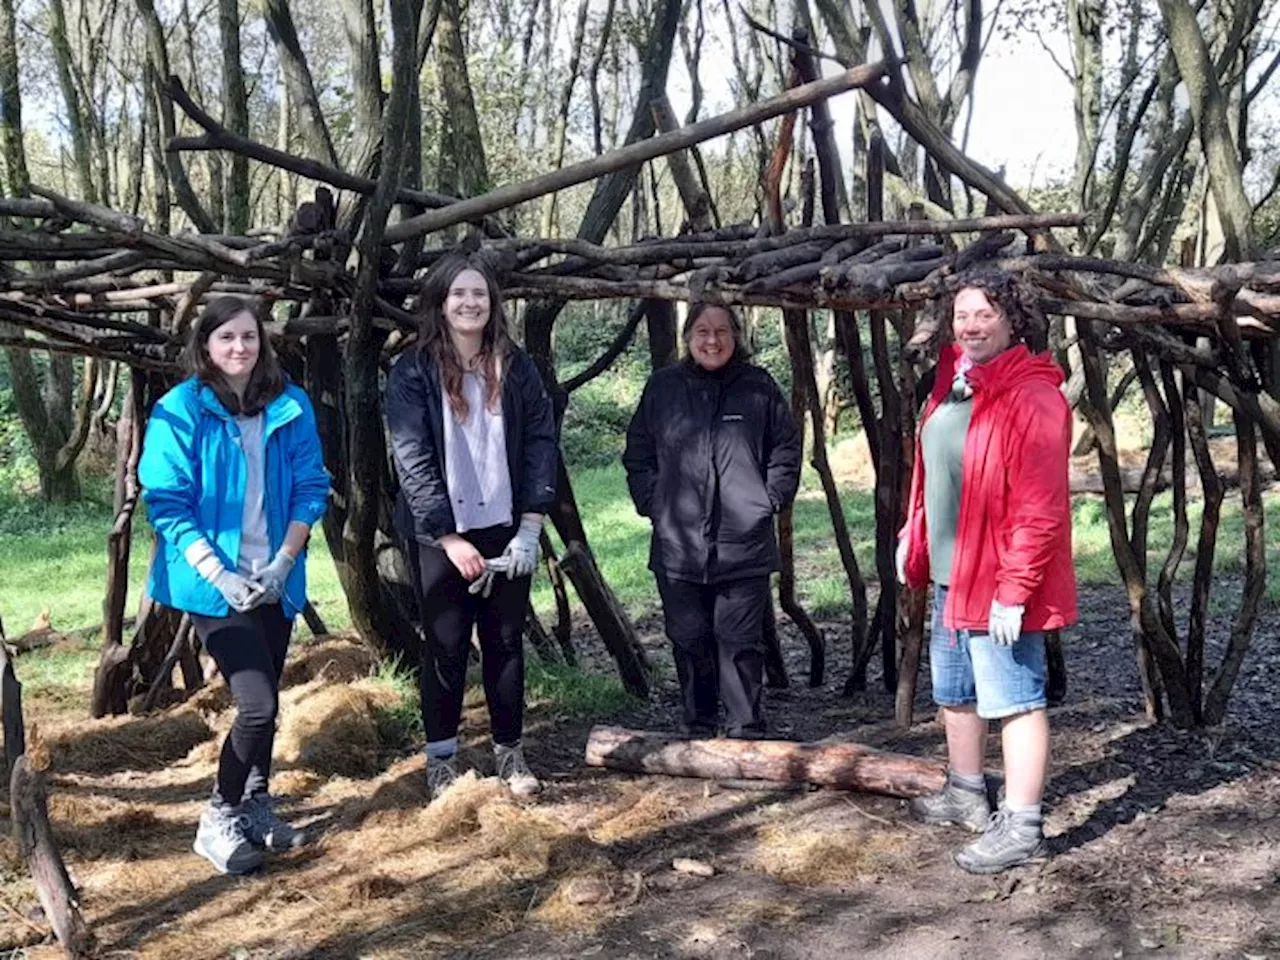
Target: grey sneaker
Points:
(264, 829)
(956, 805)
(441, 773)
(514, 772)
(221, 840)
(1010, 840)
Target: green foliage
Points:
(400, 723)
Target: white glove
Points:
(241, 594)
(483, 584)
(1005, 623)
(522, 551)
(272, 577)
(900, 560)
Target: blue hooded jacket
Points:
(192, 472)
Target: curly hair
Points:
(1005, 292)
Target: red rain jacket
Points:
(1013, 537)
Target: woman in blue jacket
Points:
(233, 478)
(474, 441)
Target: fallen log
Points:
(57, 895)
(849, 766)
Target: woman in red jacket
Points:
(990, 523)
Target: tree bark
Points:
(57, 895)
(1209, 108)
(235, 103)
(847, 766)
(317, 142)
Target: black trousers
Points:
(717, 635)
(249, 649)
(449, 613)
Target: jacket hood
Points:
(1016, 367)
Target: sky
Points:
(1022, 118)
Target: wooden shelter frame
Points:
(80, 278)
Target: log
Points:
(634, 154)
(847, 766)
(57, 895)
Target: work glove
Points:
(241, 594)
(272, 577)
(1005, 623)
(900, 561)
(522, 551)
(483, 584)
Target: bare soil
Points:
(1165, 843)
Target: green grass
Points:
(575, 693)
(399, 725)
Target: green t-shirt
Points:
(942, 447)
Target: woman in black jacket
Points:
(712, 454)
(474, 443)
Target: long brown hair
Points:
(495, 343)
(266, 382)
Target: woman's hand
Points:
(463, 556)
(900, 560)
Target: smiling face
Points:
(234, 347)
(467, 304)
(981, 329)
(711, 341)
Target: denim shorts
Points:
(967, 667)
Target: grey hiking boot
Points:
(956, 805)
(1010, 840)
(221, 840)
(264, 829)
(441, 773)
(514, 772)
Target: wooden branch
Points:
(95, 216)
(58, 897)
(848, 766)
(15, 737)
(217, 137)
(611, 353)
(634, 154)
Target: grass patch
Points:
(576, 693)
(398, 720)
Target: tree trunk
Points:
(1209, 108)
(848, 766)
(235, 116)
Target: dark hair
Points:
(1004, 292)
(741, 351)
(266, 381)
(495, 343)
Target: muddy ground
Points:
(1165, 843)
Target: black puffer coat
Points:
(415, 419)
(711, 456)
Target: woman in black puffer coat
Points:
(712, 454)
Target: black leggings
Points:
(249, 649)
(448, 614)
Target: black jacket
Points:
(415, 420)
(710, 458)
